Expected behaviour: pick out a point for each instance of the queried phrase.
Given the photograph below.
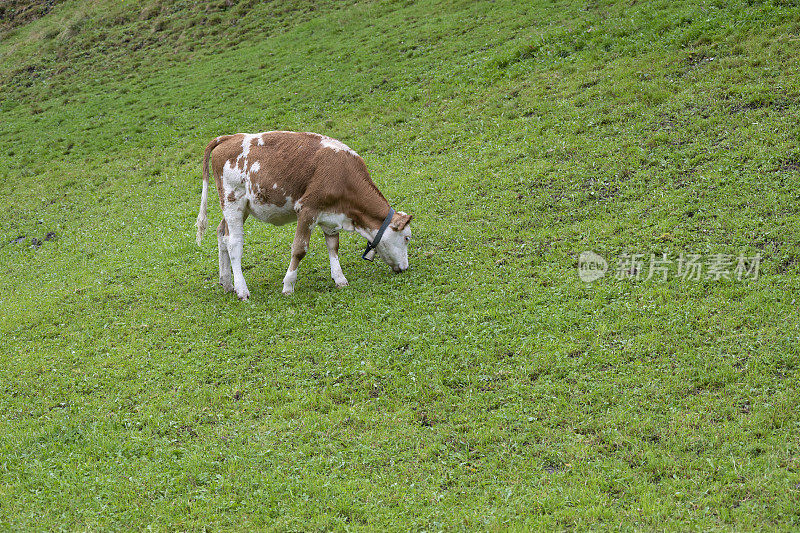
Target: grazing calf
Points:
(282, 176)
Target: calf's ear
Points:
(400, 220)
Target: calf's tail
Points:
(202, 217)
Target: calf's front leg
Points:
(299, 249)
(332, 241)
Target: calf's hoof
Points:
(341, 284)
(227, 286)
(244, 296)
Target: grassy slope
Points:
(486, 387)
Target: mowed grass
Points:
(486, 388)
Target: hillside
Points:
(488, 387)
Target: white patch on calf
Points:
(247, 142)
(277, 215)
(336, 146)
(334, 222)
(233, 181)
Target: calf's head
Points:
(393, 248)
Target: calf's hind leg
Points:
(224, 258)
(235, 220)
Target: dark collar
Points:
(374, 244)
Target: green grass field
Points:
(488, 387)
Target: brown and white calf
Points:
(282, 176)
